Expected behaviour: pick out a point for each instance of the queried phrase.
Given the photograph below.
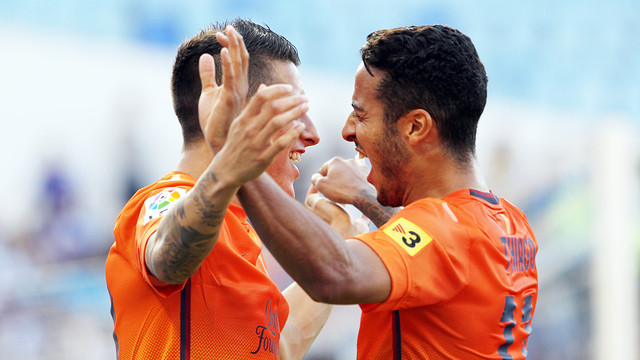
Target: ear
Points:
(416, 125)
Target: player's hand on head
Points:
(266, 126)
(335, 215)
(341, 180)
(220, 104)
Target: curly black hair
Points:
(435, 68)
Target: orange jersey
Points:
(229, 309)
(464, 281)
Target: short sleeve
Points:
(426, 255)
(147, 224)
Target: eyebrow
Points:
(355, 105)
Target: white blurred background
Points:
(86, 120)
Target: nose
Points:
(349, 130)
(310, 135)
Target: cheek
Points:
(282, 172)
(280, 163)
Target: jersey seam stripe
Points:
(185, 322)
(113, 316)
(397, 336)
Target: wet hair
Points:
(435, 68)
(264, 47)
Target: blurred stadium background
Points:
(87, 119)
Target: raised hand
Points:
(265, 127)
(342, 180)
(220, 104)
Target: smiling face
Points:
(382, 144)
(283, 170)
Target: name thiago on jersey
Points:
(521, 253)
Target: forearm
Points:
(306, 319)
(292, 241)
(189, 230)
(367, 203)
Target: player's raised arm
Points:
(189, 230)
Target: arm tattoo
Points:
(212, 214)
(371, 208)
(184, 246)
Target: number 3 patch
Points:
(408, 235)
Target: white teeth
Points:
(360, 156)
(294, 156)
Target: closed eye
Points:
(355, 115)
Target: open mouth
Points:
(295, 156)
(360, 155)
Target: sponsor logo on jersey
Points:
(269, 333)
(158, 204)
(408, 235)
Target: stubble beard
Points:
(393, 158)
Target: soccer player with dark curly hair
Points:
(450, 275)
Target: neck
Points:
(443, 176)
(195, 159)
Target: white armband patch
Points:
(158, 204)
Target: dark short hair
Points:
(435, 68)
(263, 45)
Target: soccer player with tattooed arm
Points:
(450, 273)
(186, 274)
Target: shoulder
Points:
(417, 225)
(154, 199)
(428, 212)
(507, 205)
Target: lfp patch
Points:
(158, 204)
(408, 235)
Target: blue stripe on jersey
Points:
(397, 335)
(488, 197)
(185, 322)
(113, 316)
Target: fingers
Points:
(313, 203)
(207, 72)
(315, 179)
(228, 74)
(312, 197)
(227, 69)
(222, 38)
(324, 169)
(235, 58)
(327, 210)
(271, 109)
(265, 94)
(288, 109)
(284, 141)
(312, 190)
(239, 54)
